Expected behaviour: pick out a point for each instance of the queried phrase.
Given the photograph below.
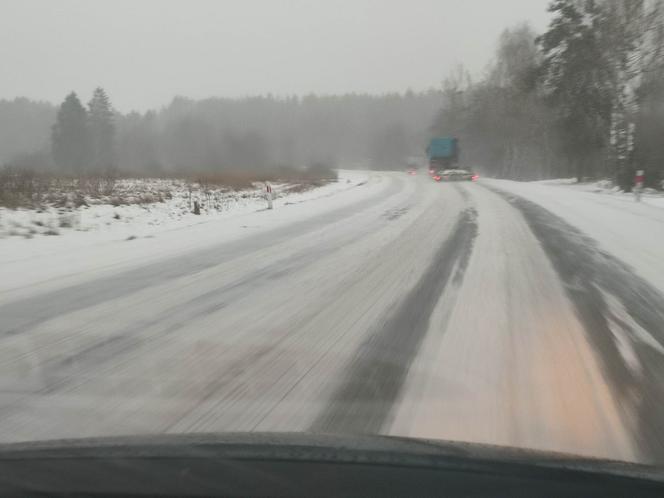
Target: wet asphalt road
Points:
(426, 310)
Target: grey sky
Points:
(144, 52)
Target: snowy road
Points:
(402, 307)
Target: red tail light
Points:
(437, 178)
(475, 177)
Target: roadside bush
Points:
(19, 187)
(322, 171)
(67, 220)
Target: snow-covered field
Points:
(139, 207)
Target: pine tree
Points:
(69, 136)
(102, 132)
(578, 79)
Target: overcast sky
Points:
(144, 52)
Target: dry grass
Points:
(29, 189)
(239, 180)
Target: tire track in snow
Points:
(623, 316)
(364, 400)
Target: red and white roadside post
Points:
(638, 184)
(268, 195)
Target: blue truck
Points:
(442, 152)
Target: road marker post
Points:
(638, 184)
(268, 195)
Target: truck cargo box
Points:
(442, 148)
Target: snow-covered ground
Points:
(390, 304)
(104, 237)
(632, 231)
(606, 187)
(141, 207)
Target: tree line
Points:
(219, 135)
(585, 98)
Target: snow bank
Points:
(606, 187)
(631, 231)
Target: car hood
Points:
(69, 466)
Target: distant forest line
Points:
(218, 134)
